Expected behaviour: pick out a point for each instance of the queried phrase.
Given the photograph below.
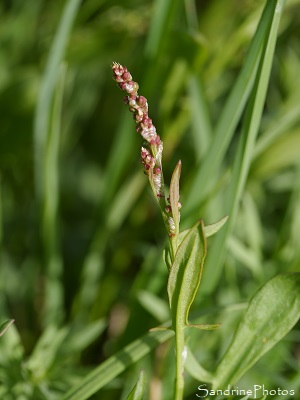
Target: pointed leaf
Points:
(210, 230)
(271, 314)
(174, 196)
(81, 337)
(160, 328)
(196, 370)
(205, 327)
(155, 305)
(186, 272)
(167, 257)
(138, 390)
(5, 326)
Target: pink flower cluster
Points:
(151, 153)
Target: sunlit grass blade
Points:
(284, 122)
(54, 290)
(244, 152)
(116, 364)
(162, 17)
(200, 118)
(44, 104)
(46, 149)
(230, 115)
(281, 155)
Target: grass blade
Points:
(46, 141)
(231, 115)
(201, 123)
(5, 326)
(116, 365)
(43, 109)
(245, 151)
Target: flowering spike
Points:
(151, 152)
(138, 105)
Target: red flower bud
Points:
(141, 101)
(126, 76)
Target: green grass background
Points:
(81, 238)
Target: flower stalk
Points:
(186, 253)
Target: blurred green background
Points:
(80, 234)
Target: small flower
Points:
(147, 159)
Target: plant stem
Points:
(179, 346)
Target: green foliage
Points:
(5, 326)
(185, 274)
(81, 271)
(138, 390)
(272, 313)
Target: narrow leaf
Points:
(186, 272)
(160, 328)
(231, 113)
(49, 80)
(167, 257)
(138, 390)
(271, 314)
(5, 326)
(116, 364)
(155, 305)
(246, 146)
(174, 196)
(196, 370)
(210, 230)
(205, 327)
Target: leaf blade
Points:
(271, 314)
(186, 271)
(4, 327)
(174, 196)
(139, 388)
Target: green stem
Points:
(173, 246)
(179, 346)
